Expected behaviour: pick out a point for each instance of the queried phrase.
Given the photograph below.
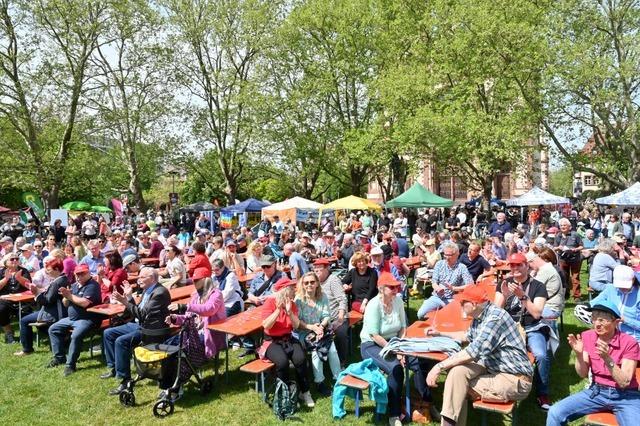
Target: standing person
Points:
(314, 314)
(449, 277)
(494, 366)
(610, 357)
(524, 298)
(84, 294)
(452, 223)
(13, 278)
(568, 245)
(50, 306)
(400, 224)
(149, 314)
(332, 287)
(385, 318)
(280, 318)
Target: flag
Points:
(226, 220)
(33, 200)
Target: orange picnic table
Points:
(19, 298)
(149, 261)
(241, 324)
(413, 262)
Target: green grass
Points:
(34, 395)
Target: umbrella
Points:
(352, 203)
(4, 209)
(101, 209)
(76, 205)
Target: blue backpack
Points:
(284, 400)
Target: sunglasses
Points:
(266, 266)
(14, 258)
(309, 282)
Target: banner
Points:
(226, 220)
(33, 200)
(117, 207)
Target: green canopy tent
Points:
(418, 197)
(101, 209)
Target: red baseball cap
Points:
(322, 261)
(81, 269)
(284, 282)
(387, 279)
(516, 259)
(473, 293)
(200, 273)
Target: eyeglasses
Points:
(309, 282)
(266, 266)
(448, 254)
(601, 319)
(14, 258)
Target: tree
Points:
(561, 181)
(450, 97)
(326, 61)
(45, 46)
(219, 48)
(130, 93)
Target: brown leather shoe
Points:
(420, 417)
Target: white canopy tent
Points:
(630, 197)
(536, 197)
(293, 208)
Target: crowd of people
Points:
(310, 276)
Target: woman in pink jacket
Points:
(208, 304)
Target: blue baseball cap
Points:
(605, 306)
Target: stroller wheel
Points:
(207, 386)
(163, 408)
(127, 398)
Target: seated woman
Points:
(227, 282)
(603, 264)
(176, 271)
(111, 276)
(206, 301)
(315, 316)
(13, 279)
(430, 257)
(385, 318)
(361, 281)
(43, 277)
(50, 302)
(280, 317)
(254, 251)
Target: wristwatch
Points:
(524, 298)
(610, 363)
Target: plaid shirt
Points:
(496, 343)
(457, 276)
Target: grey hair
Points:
(451, 246)
(564, 221)
(606, 245)
(217, 263)
(154, 272)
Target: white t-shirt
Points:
(176, 268)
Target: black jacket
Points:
(152, 315)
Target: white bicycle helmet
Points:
(582, 314)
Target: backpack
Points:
(284, 399)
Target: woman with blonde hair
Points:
(315, 316)
(254, 251)
(361, 281)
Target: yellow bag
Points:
(145, 355)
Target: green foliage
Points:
(561, 181)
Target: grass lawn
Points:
(34, 395)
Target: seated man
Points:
(83, 294)
(449, 276)
(262, 284)
(476, 264)
(493, 367)
(524, 298)
(149, 314)
(611, 357)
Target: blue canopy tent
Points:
(250, 205)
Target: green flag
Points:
(33, 200)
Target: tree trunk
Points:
(135, 188)
(487, 189)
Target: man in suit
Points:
(149, 314)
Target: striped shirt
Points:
(496, 343)
(457, 276)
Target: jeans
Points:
(395, 374)
(433, 303)
(341, 340)
(318, 364)
(57, 334)
(118, 346)
(26, 332)
(537, 343)
(625, 404)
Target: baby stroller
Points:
(162, 362)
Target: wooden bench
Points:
(359, 385)
(354, 318)
(258, 367)
(39, 325)
(504, 408)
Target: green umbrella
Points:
(76, 205)
(101, 209)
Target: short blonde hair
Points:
(358, 256)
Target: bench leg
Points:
(484, 418)
(358, 395)
(264, 391)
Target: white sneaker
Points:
(395, 421)
(306, 398)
